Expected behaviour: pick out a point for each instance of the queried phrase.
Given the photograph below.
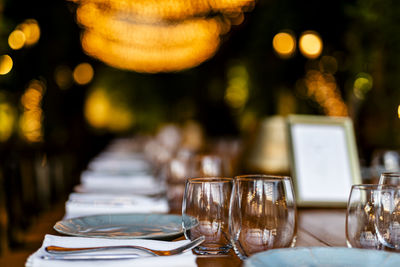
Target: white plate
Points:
(124, 226)
(324, 256)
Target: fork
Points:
(62, 252)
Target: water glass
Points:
(390, 178)
(387, 217)
(262, 214)
(360, 217)
(205, 212)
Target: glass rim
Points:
(214, 179)
(390, 174)
(374, 186)
(265, 177)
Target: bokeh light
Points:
(102, 111)
(362, 85)
(31, 30)
(398, 111)
(63, 76)
(16, 40)
(83, 73)
(7, 120)
(6, 64)
(310, 44)
(32, 117)
(164, 36)
(284, 44)
(237, 92)
(322, 88)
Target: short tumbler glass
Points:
(205, 212)
(390, 178)
(361, 217)
(262, 214)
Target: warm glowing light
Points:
(16, 40)
(310, 44)
(151, 11)
(7, 121)
(362, 85)
(156, 35)
(237, 92)
(83, 73)
(284, 44)
(322, 88)
(31, 30)
(96, 109)
(31, 120)
(102, 112)
(398, 111)
(63, 76)
(6, 64)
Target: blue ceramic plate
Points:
(147, 226)
(323, 256)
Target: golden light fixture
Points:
(156, 35)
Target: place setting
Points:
(190, 208)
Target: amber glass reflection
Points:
(262, 214)
(205, 212)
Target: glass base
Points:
(212, 250)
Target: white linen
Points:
(119, 183)
(83, 204)
(187, 259)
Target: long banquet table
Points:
(316, 227)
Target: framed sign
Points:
(324, 159)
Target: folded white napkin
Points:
(119, 163)
(84, 204)
(98, 182)
(185, 260)
(101, 179)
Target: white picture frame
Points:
(324, 161)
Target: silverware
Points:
(73, 253)
(91, 257)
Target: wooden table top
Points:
(316, 227)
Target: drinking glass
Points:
(206, 165)
(262, 214)
(390, 178)
(360, 217)
(205, 211)
(387, 217)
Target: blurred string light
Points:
(32, 116)
(310, 44)
(284, 44)
(104, 111)
(6, 64)
(237, 91)
(320, 85)
(83, 73)
(156, 35)
(8, 116)
(362, 85)
(25, 34)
